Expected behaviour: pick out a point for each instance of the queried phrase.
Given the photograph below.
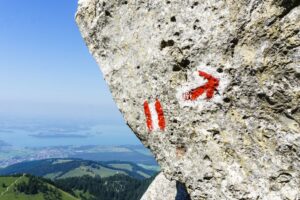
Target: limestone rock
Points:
(163, 189)
(211, 87)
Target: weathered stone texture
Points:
(242, 143)
(163, 189)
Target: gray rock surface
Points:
(163, 189)
(225, 76)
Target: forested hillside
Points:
(65, 168)
(28, 187)
(118, 187)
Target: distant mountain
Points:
(26, 187)
(58, 135)
(129, 153)
(66, 168)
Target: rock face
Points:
(211, 87)
(163, 189)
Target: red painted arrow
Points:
(209, 88)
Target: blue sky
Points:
(46, 70)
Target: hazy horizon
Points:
(49, 76)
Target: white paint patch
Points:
(194, 81)
(154, 116)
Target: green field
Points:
(122, 166)
(53, 175)
(5, 181)
(86, 170)
(150, 167)
(61, 161)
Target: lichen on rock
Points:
(235, 138)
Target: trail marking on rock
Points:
(154, 113)
(209, 87)
(204, 88)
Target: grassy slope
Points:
(143, 174)
(150, 167)
(53, 175)
(7, 181)
(8, 193)
(122, 166)
(86, 170)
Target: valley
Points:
(74, 179)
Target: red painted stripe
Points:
(195, 93)
(148, 116)
(205, 75)
(210, 85)
(160, 114)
